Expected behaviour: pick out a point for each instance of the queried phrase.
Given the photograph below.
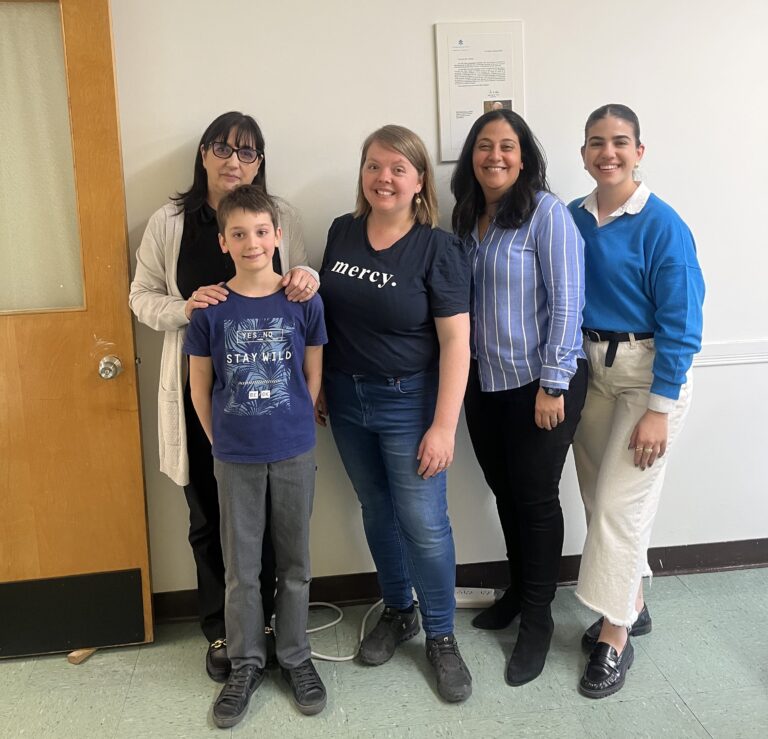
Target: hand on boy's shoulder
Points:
(300, 286)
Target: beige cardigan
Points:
(156, 301)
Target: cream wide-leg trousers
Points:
(620, 500)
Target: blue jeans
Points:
(378, 424)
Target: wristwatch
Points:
(553, 392)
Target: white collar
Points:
(633, 205)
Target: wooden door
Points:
(74, 564)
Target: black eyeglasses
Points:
(246, 154)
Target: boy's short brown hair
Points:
(250, 198)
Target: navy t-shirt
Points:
(380, 306)
(262, 410)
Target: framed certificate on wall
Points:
(479, 68)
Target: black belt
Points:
(613, 338)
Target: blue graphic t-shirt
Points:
(262, 410)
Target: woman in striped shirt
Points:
(527, 380)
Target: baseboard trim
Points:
(362, 587)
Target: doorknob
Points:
(110, 367)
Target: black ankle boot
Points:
(530, 652)
(500, 614)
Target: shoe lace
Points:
(304, 676)
(391, 618)
(389, 615)
(236, 682)
(446, 647)
(218, 644)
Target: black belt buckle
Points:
(614, 338)
(613, 343)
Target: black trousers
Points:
(522, 465)
(205, 536)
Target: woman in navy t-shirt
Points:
(396, 294)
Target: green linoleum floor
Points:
(702, 672)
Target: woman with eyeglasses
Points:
(180, 268)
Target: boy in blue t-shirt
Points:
(255, 364)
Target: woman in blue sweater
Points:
(642, 326)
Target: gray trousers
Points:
(242, 494)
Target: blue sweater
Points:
(642, 276)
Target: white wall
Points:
(320, 76)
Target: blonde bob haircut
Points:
(407, 143)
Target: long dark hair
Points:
(247, 133)
(519, 201)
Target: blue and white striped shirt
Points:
(527, 299)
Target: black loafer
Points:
(606, 670)
(642, 626)
(217, 663)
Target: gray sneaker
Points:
(454, 683)
(394, 627)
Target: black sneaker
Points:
(232, 703)
(642, 626)
(454, 683)
(307, 687)
(217, 663)
(394, 627)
